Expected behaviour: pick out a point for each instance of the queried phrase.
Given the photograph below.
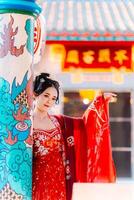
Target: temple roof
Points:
(93, 20)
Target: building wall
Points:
(118, 82)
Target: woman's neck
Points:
(40, 114)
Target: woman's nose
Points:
(49, 100)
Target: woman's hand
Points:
(110, 97)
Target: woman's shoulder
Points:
(62, 119)
(58, 118)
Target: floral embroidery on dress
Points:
(70, 141)
(67, 170)
(49, 164)
(46, 141)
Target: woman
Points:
(68, 150)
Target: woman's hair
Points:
(42, 82)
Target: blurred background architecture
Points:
(90, 46)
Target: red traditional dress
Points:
(83, 152)
(48, 164)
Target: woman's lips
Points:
(46, 105)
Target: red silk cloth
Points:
(90, 158)
(86, 154)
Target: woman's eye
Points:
(46, 95)
(54, 99)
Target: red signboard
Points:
(97, 57)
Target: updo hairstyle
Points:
(42, 82)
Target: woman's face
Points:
(47, 99)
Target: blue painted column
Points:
(17, 18)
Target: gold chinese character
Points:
(73, 56)
(104, 55)
(120, 56)
(88, 57)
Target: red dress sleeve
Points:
(100, 166)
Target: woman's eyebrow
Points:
(47, 93)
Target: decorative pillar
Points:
(17, 19)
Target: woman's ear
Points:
(34, 95)
(34, 100)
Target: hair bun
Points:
(45, 75)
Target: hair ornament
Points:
(42, 80)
